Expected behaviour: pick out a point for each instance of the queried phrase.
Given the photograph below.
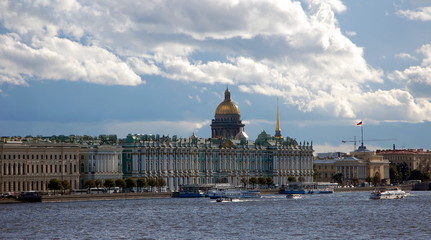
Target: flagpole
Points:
(362, 135)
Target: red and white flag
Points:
(359, 123)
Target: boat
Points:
(325, 191)
(30, 196)
(223, 199)
(188, 194)
(293, 196)
(233, 193)
(388, 193)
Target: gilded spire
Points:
(277, 124)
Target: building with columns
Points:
(360, 164)
(100, 162)
(227, 157)
(30, 166)
(209, 161)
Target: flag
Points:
(359, 123)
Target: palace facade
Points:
(228, 157)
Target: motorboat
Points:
(293, 196)
(388, 193)
(224, 199)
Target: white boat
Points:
(294, 196)
(388, 193)
(222, 199)
(233, 193)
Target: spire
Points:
(227, 95)
(277, 124)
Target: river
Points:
(334, 216)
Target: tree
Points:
(253, 181)
(90, 184)
(338, 177)
(355, 182)
(141, 182)
(120, 183)
(269, 181)
(152, 183)
(261, 181)
(55, 184)
(419, 175)
(160, 182)
(99, 183)
(131, 183)
(394, 174)
(291, 179)
(244, 181)
(65, 185)
(109, 183)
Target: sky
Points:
(161, 67)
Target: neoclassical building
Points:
(227, 157)
(30, 166)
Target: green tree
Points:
(55, 184)
(99, 183)
(419, 175)
(120, 183)
(339, 178)
(355, 182)
(244, 181)
(394, 175)
(152, 183)
(141, 182)
(261, 181)
(253, 181)
(131, 183)
(269, 181)
(90, 184)
(109, 183)
(65, 185)
(160, 182)
(291, 179)
(376, 179)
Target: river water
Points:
(334, 216)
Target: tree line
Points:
(129, 183)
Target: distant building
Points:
(227, 120)
(416, 159)
(30, 166)
(360, 164)
(100, 162)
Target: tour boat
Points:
(388, 193)
(293, 196)
(188, 194)
(233, 193)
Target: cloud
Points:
(418, 80)
(120, 128)
(405, 56)
(290, 49)
(422, 14)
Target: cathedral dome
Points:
(227, 107)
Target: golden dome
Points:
(227, 107)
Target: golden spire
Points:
(277, 124)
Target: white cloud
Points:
(418, 81)
(422, 14)
(179, 128)
(405, 56)
(286, 48)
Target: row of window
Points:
(38, 156)
(26, 169)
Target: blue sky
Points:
(105, 67)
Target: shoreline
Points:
(149, 195)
